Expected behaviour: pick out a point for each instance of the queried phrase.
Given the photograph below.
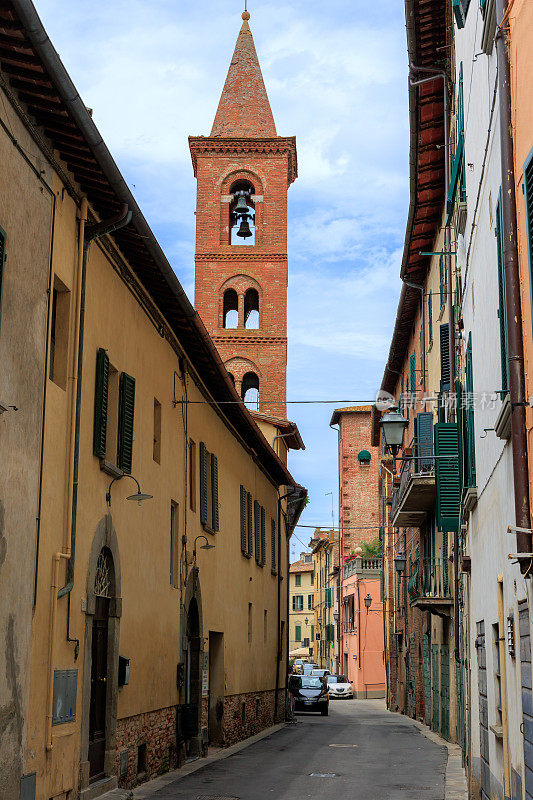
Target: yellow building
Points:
(138, 632)
(325, 550)
(301, 607)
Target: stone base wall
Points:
(250, 713)
(149, 737)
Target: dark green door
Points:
(459, 727)
(435, 686)
(445, 691)
(427, 679)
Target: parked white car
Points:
(339, 687)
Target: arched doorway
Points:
(104, 590)
(193, 689)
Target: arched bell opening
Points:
(250, 390)
(230, 309)
(242, 214)
(251, 309)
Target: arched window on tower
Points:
(242, 214)
(230, 310)
(250, 390)
(251, 309)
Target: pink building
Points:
(363, 660)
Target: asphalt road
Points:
(359, 752)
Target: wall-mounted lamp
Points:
(368, 601)
(138, 496)
(393, 425)
(399, 563)
(206, 546)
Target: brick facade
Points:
(244, 147)
(248, 714)
(156, 732)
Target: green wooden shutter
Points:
(273, 543)
(243, 520)
(263, 538)
(203, 484)
(2, 263)
(430, 319)
(328, 598)
(424, 443)
(448, 486)
(469, 418)
(528, 199)
(460, 10)
(126, 410)
(214, 492)
(461, 131)
(298, 633)
(445, 565)
(249, 519)
(442, 279)
(312, 633)
(257, 534)
(502, 311)
(457, 167)
(100, 403)
(444, 358)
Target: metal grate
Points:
(216, 797)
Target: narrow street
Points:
(360, 751)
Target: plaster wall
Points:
(487, 540)
(23, 314)
(363, 648)
(306, 589)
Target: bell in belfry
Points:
(241, 207)
(244, 230)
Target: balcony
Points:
(362, 567)
(415, 495)
(428, 585)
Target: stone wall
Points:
(248, 714)
(146, 746)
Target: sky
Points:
(336, 76)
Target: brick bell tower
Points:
(244, 170)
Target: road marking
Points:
(344, 745)
(322, 774)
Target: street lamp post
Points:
(393, 425)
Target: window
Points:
(230, 309)
(113, 414)
(250, 390)
(174, 559)
(242, 214)
(442, 280)
(297, 580)
(263, 538)
(251, 309)
(157, 431)
(249, 623)
(297, 633)
(243, 521)
(444, 358)
(502, 310)
(59, 333)
(528, 200)
(249, 516)
(298, 602)
(312, 633)
(497, 674)
(312, 576)
(469, 417)
(273, 544)
(209, 512)
(141, 759)
(412, 378)
(257, 531)
(310, 604)
(192, 475)
(430, 319)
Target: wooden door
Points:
(427, 679)
(527, 701)
(435, 687)
(445, 691)
(98, 690)
(483, 710)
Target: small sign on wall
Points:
(205, 676)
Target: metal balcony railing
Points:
(428, 578)
(420, 464)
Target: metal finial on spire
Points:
(246, 13)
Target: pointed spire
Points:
(244, 109)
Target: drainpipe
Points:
(340, 577)
(279, 649)
(92, 232)
(513, 305)
(503, 690)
